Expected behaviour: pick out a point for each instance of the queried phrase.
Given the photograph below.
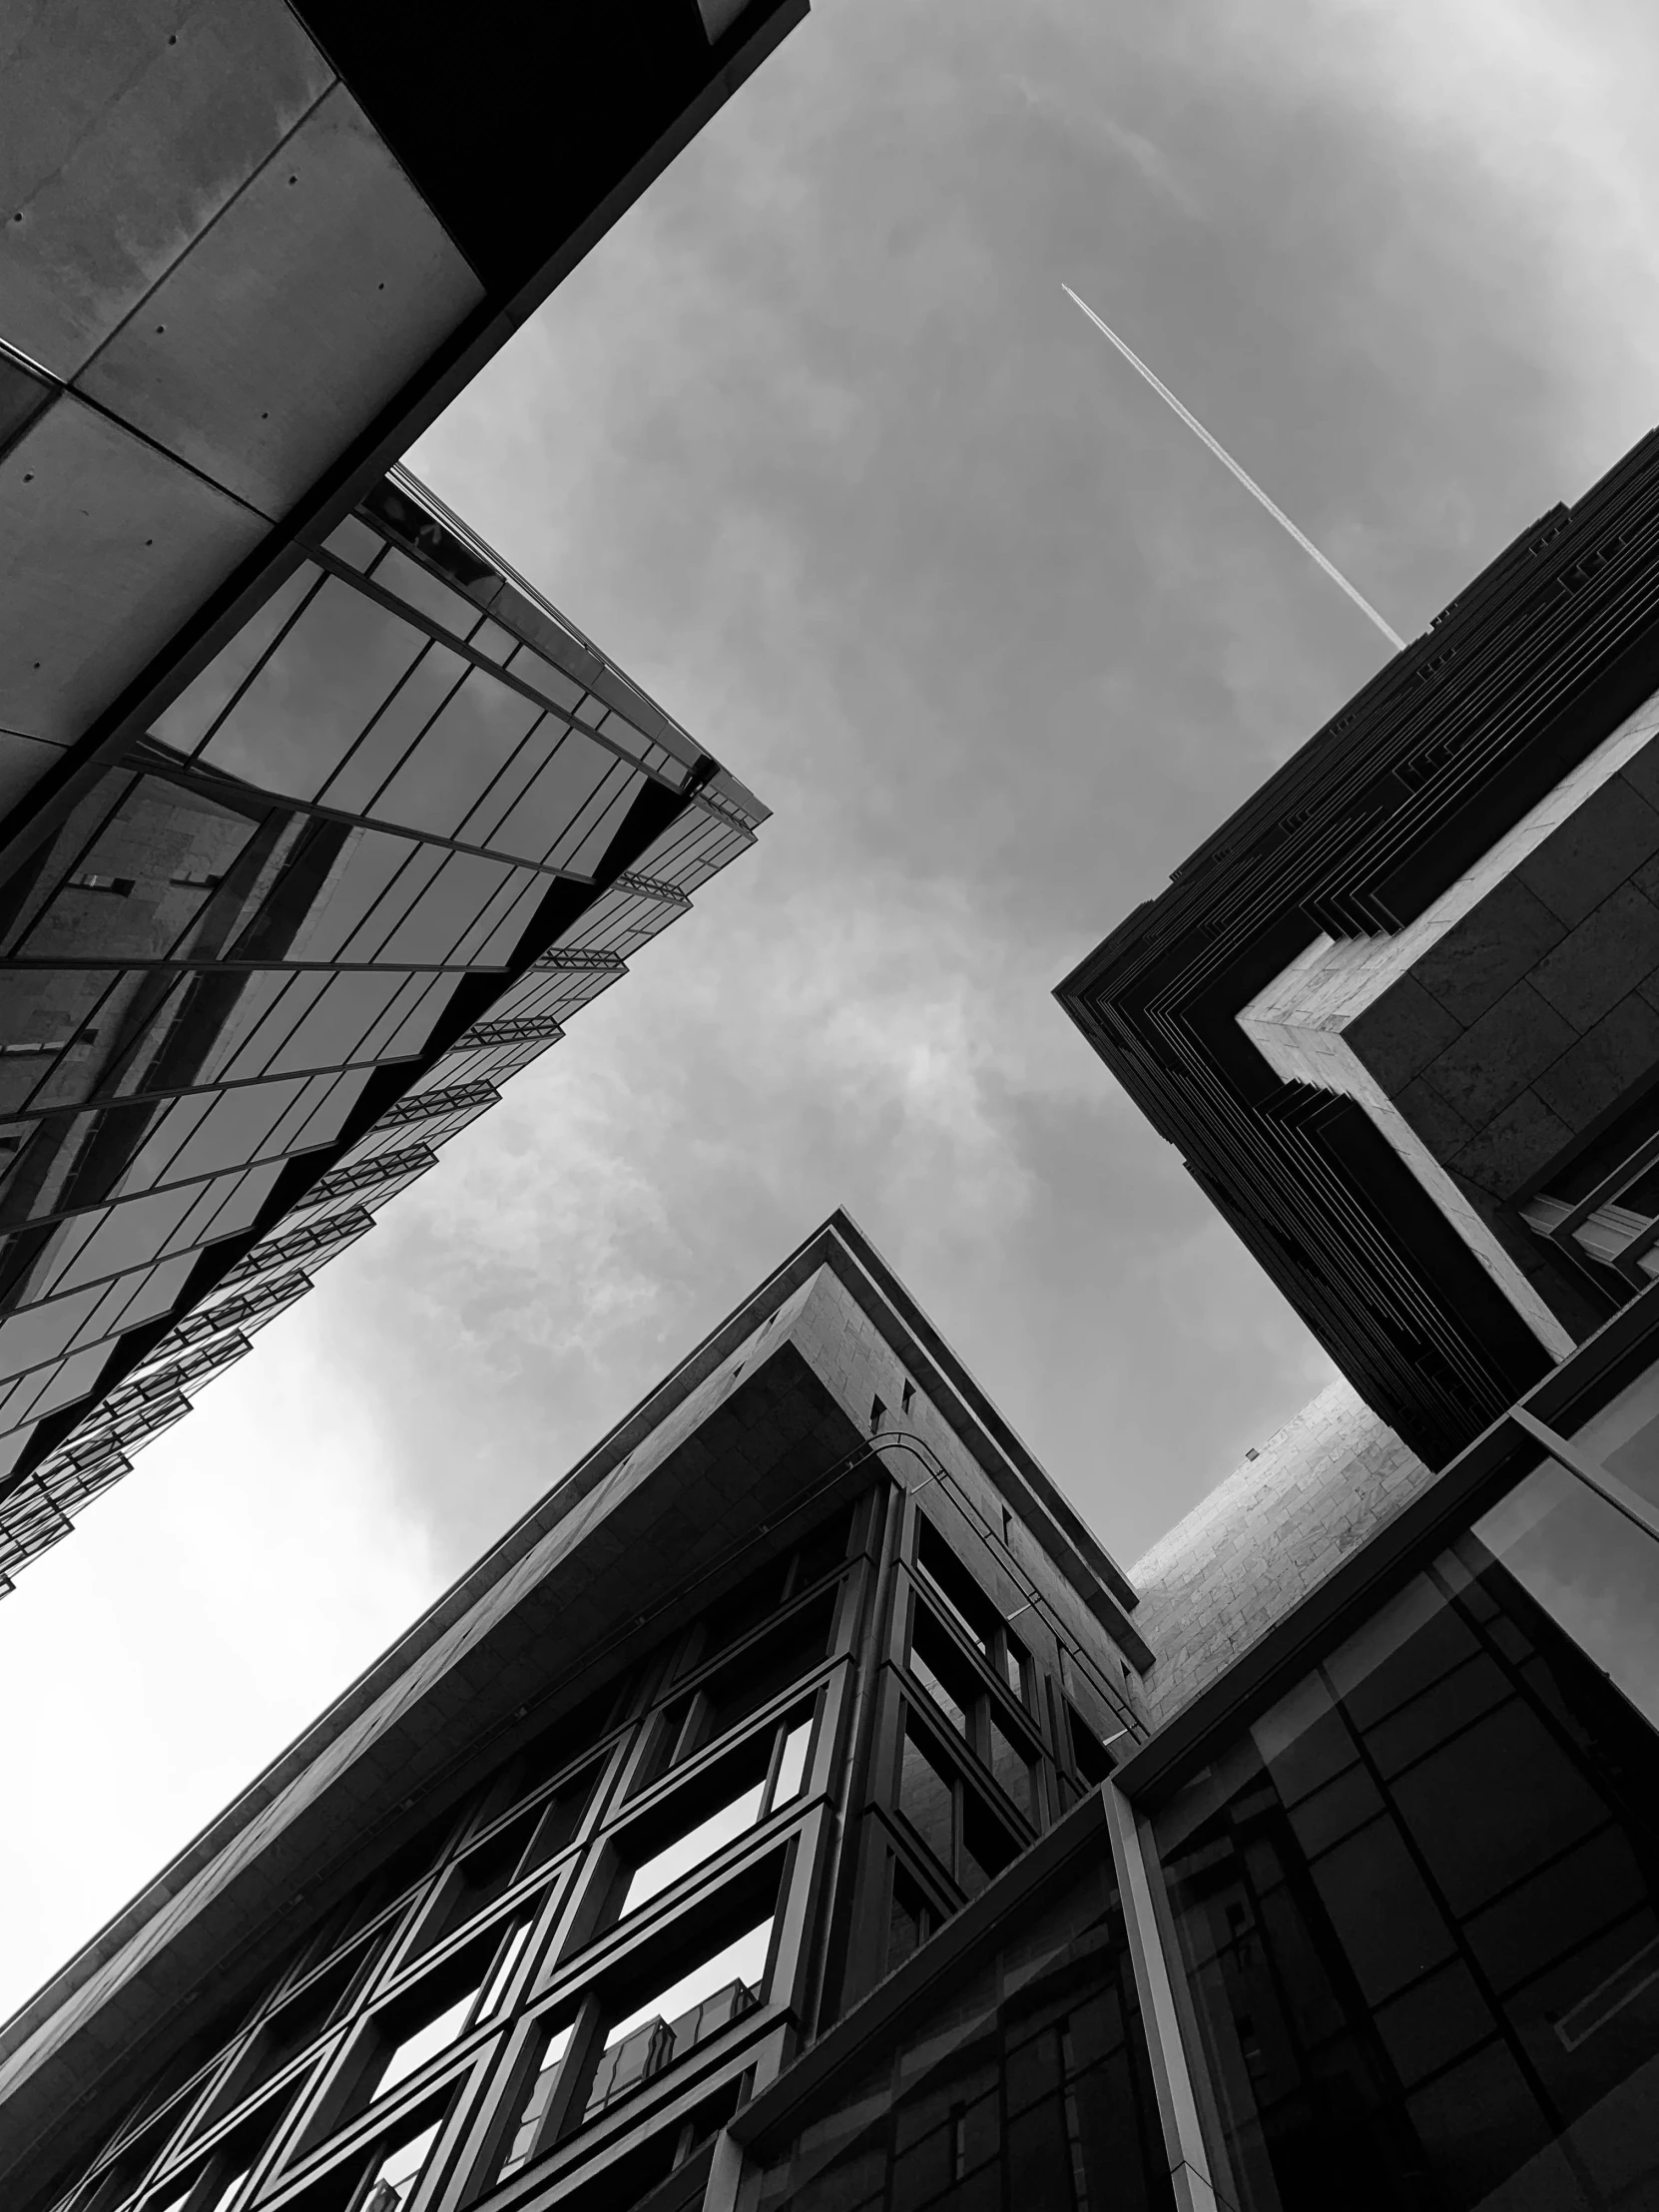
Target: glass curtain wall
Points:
(353, 861)
(1416, 1903)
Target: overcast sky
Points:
(815, 446)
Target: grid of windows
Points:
(571, 1976)
(549, 1954)
(363, 830)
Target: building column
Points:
(1177, 2106)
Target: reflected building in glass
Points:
(364, 869)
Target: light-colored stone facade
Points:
(1265, 1538)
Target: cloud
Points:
(190, 1626)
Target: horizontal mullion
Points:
(200, 775)
(429, 627)
(117, 964)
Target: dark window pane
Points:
(925, 1798)
(766, 1668)
(301, 714)
(987, 1845)
(907, 1919)
(1459, 2001)
(1434, 2022)
(1013, 1767)
(476, 733)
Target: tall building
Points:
(367, 865)
(1401, 1013)
(786, 1684)
(315, 822)
(798, 1808)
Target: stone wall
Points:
(1266, 1536)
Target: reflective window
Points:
(1625, 1436)
(752, 1678)
(1019, 2085)
(601, 828)
(1419, 1908)
(541, 675)
(718, 1991)
(539, 825)
(304, 711)
(419, 588)
(1589, 1570)
(769, 1776)
(394, 730)
(392, 2174)
(473, 737)
(198, 706)
(970, 1842)
(522, 2144)
(962, 1696)
(711, 1834)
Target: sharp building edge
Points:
(317, 821)
(800, 1807)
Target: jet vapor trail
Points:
(1248, 483)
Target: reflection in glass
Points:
(304, 711)
(1418, 1902)
(1625, 1436)
(1590, 1570)
(175, 932)
(534, 2112)
(1019, 2084)
(393, 2177)
(718, 1991)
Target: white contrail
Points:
(1248, 483)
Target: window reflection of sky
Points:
(1591, 1569)
(375, 770)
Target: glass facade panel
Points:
(1625, 1436)
(1589, 1570)
(541, 821)
(394, 730)
(419, 588)
(460, 754)
(192, 714)
(1416, 1903)
(602, 820)
(1021, 2084)
(175, 934)
(304, 711)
